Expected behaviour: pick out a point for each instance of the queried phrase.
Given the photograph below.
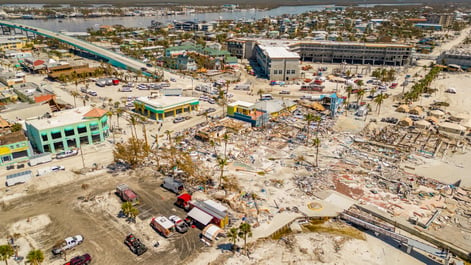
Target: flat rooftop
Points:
(278, 52)
(165, 102)
(62, 118)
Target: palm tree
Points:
(233, 235)
(118, 113)
(222, 162)
(379, 100)
(126, 208)
(360, 95)
(110, 114)
(318, 120)
(317, 142)
(245, 231)
(133, 213)
(349, 91)
(260, 93)
(309, 118)
(6, 251)
(75, 94)
(226, 139)
(35, 257)
(169, 136)
(133, 122)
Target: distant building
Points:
(444, 19)
(329, 51)
(277, 63)
(14, 147)
(159, 108)
(68, 129)
(428, 26)
(11, 43)
(459, 56)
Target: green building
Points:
(159, 108)
(68, 129)
(14, 147)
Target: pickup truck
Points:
(68, 243)
(80, 260)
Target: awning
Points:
(212, 231)
(200, 216)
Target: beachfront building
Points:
(68, 129)
(354, 52)
(329, 51)
(458, 56)
(159, 108)
(14, 147)
(277, 63)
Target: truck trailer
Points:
(40, 159)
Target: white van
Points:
(266, 97)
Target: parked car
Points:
(80, 260)
(178, 120)
(92, 93)
(57, 168)
(211, 101)
(285, 92)
(67, 153)
(210, 110)
(173, 79)
(180, 225)
(68, 243)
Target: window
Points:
(56, 135)
(82, 129)
(46, 148)
(93, 127)
(44, 137)
(69, 132)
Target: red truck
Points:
(126, 194)
(80, 260)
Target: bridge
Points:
(108, 56)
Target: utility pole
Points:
(81, 154)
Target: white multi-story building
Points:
(330, 51)
(277, 63)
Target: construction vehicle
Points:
(80, 260)
(68, 243)
(126, 194)
(163, 226)
(135, 245)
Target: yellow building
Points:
(158, 108)
(12, 43)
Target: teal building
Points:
(14, 147)
(68, 129)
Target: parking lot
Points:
(80, 209)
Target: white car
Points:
(57, 168)
(68, 243)
(180, 226)
(67, 153)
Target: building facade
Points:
(354, 53)
(14, 147)
(159, 108)
(460, 56)
(277, 63)
(330, 51)
(68, 129)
